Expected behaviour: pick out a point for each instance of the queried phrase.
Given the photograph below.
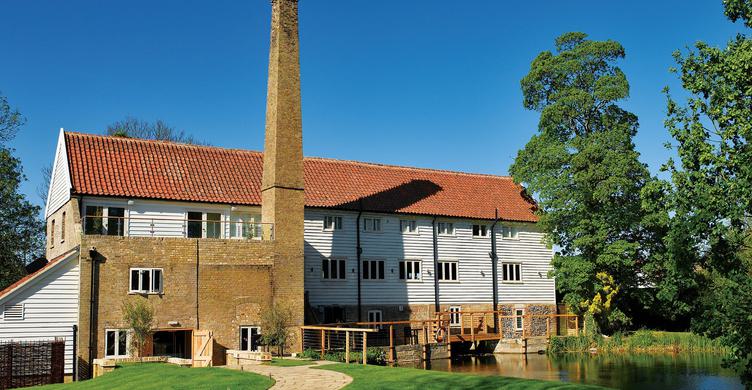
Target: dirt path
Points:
(299, 377)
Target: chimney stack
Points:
(282, 197)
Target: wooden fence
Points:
(31, 363)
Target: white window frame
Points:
(445, 225)
(369, 224)
(151, 272)
(448, 267)
(250, 339)
(416, 278)
(372, 314)
(332, 223)
(367, 263)
(519, 319)
(411, 224)
(14, 309)
(455, 318)
(510, 233)
(240, 220)
(341, 262)
(482, 228)
(511, 269)
(118, 352)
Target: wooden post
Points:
(365, 347)
(576, 326)
(391, 343)
(584, 326)
(472, 327)
(548, 327)
(301, 340)
(323, 337)
(347, 346)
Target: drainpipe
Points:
(358, 253)
(437, 306)
(495, 272)
(92, 307)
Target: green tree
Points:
(276, 326)
(584, 171)
(132, 127)
(139, 315)
(21, 229)
(739, 9)
(710, 187)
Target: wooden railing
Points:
(476, 323)
(327, 339)
(175, 227)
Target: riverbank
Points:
(381, 377)
(639, 341)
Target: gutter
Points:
(495, 272)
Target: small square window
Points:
(145, 281)
(446, 228)
(509, 232)
(371, 224)
(448, 271)
(408, 226)
(116, 343)
(332, 222)
(480, 231)
(519, 319)
(333, 269)
(409, 270)
(373, 269)
(511, 272)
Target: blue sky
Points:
(427, 83)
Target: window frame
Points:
(151, 290)
(481, 227)
(409, 222)
(516, 266)
(52, 233)
(455, 318)
(441, 274)
(519, 319)
(380, 315)
(514, 232)
(62, 228)
(104, 220)
(337, 223)
(341, 264)
(366, 268)
(250, 337)
(373, 220)
(403, 263)
(117, 345)
(445, 223)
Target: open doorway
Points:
(173, 343)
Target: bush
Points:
(374, 355)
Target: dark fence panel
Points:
(31, 363)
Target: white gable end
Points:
(60, 181)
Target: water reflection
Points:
(621, 371)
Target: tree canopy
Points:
(583, 169)
(132, 127)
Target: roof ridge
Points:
(354, 162)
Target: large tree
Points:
(586, 175)
(21, 229)
(710, 186)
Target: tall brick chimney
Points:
(282, 197)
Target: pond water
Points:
(621, 371)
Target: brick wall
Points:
(63, 242)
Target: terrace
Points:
(216, 228)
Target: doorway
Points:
(172, 343)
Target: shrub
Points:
(139, 315)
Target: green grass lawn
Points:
(289, 362)
(155, 376)
(379, 377)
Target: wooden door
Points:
(203, 347)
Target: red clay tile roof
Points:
(123, 167)
(36, 273)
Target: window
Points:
(409, 270)
(62, 228)
(333, 269)
(13, 312)
(511, 272)
(52, 234)
(455, 316)
(371, 224)
(116, 343)
(213, 225)
(408, 226)
(446, 228)
(375, 316)
(480, 231)
(509, 232)
(104, 220)
(250, 337)
(448, 270)
(332, 223)
(204, 225)
(245, 225)
(518, 319)
(373, 269)
(195, 224)
(146, 281)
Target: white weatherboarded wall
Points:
(60, 182)
(50, 302)
(391, 245)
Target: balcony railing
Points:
(172, 227)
